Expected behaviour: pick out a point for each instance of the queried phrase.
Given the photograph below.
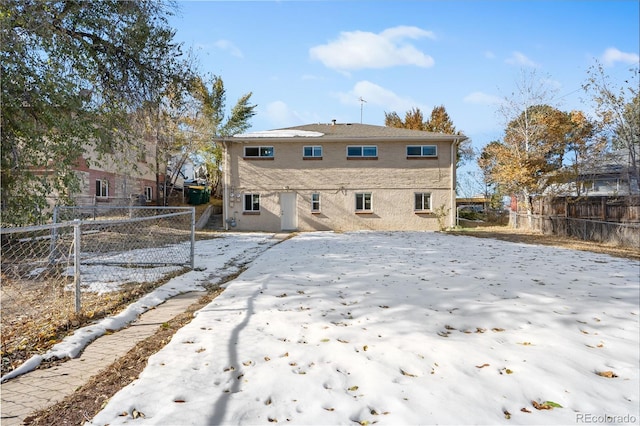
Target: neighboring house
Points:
(339, 177)
(117, 178)
(611, 177)
(189, 173)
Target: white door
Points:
(288, 212)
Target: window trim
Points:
(362, 150)
(260, 155)
(313, 155)
(364, 208)
(104, 188)
(422, 155)
(422, 194)
(315, 202)
(253, 202)
(148, 193)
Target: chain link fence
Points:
(615, 233)
(89, 263)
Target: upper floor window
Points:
(148, 193)
(251, 202)
(422, 151)
(312, 152)
(362, 151)
(102, 188)
(258, 151)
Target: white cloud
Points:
(518, 58)
(229, 47)
(613, 55)
(482, 98)
(489, 54)
(359, 49)
(377, 95)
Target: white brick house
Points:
(339, 177)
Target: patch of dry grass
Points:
(507, 233)
(36, 315)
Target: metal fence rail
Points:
(57, 274)
(616, 233)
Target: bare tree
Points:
(618, 116)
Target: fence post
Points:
(193, 237)
(76, 262)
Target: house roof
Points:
(347, 131)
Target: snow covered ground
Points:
(402, 328)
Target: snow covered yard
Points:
(403, 328)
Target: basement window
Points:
(422, 202)
(251, 203)
(315, 203)
(363, 202)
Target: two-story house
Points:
(118, 178)
(339, 177)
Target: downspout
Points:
(225, 185)
(454, 160)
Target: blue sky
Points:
(311, 61)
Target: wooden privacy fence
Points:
(603, 208)
(610, 220)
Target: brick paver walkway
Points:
(41, 388)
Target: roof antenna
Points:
(362, 102)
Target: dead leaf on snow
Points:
(547, 405)
(137, 414)
(404, 373)
(482, 366)
(507, 414)
(608, 374)
(525, 410)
